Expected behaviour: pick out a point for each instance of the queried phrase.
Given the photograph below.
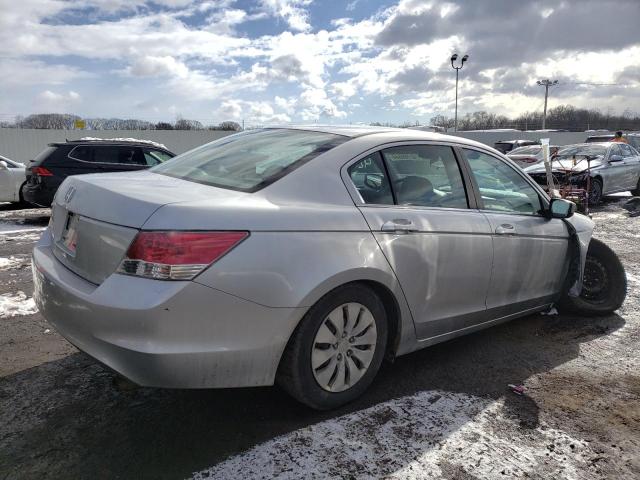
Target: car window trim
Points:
(108, 163)
(359, 201)
(542, 195)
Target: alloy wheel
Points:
(343, 347)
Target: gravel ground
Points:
(443, 412)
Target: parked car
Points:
(12, 177)
(529, 155)
(614, 167)
(505, 146)
(88, 155)
(304, 256)
(633, 139)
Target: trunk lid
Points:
(94, 218)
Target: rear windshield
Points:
(43, 155)
(249, 161)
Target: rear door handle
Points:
(403, 225)
(506, 229)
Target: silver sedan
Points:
(304, 256)
(610, 167)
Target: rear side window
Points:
(82, 152)
(250, 160)
(123, 155)
(425, 175)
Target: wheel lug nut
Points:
(344, 334)
(339, 356)
(351, 340)
(335, 345)
(349, 353)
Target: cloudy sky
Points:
(269, 61)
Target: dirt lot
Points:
(444, 412)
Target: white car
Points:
(12, 177)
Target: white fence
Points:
(556, 138)
(22, 145)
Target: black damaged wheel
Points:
(604, 283)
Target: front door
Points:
(414, 200)
(530, 250)
(631, 162)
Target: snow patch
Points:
(137, 140)
(16, 304)
(14, 261)
(427, 435)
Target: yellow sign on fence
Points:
(80, 124)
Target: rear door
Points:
(413, 197)
(530, 250)
(119, 158)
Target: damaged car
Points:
(305, 256)
(598, 168)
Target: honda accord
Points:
(305, 256)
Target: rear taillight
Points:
(176, 255)
(41, 171)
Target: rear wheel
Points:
(595, 192)
(336, 351)
(604, 283)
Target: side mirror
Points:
(615, 158)
(561, 208)
(3, 165)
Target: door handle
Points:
(402, 225)
(506, 229)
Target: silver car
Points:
(304, 256)
(612, 167)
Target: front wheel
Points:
(336, 351)
(604, 283)
(595, 192)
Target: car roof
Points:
(344, 130)
(111, 141)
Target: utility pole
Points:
(546, 83)
(454, 57)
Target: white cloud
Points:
(292, 11)
(59, 101)
(154, 66)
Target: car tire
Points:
(636, 192)
(604, 285)
(303, 371)
(595, 192)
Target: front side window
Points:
(155, 157)
(425, 175)
(250, 160)
(501, 187)
(626, 150)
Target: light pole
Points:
(454, 57)
(546, 83)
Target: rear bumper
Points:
(39, 194)
(163, 334)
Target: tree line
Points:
(65, 121)
(563, 117)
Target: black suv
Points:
(59, 160)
